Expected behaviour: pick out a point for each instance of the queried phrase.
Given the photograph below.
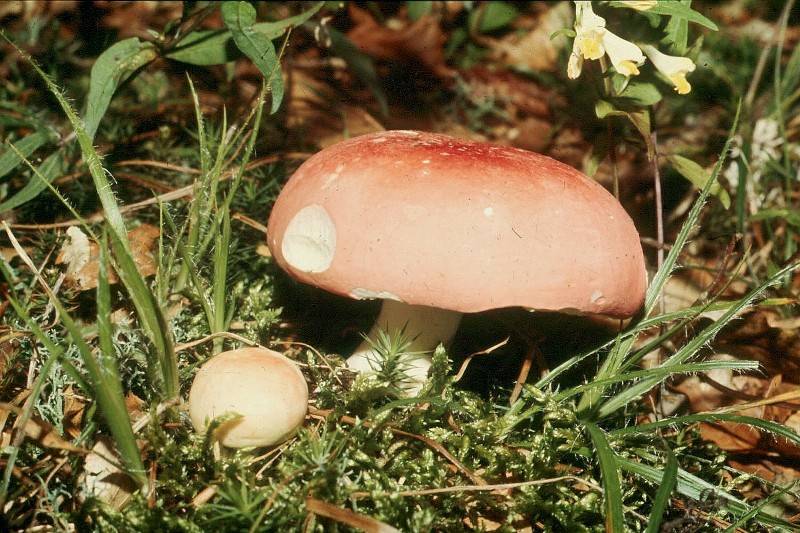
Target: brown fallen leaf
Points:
(82, 257)
(317, 114)
(102, 477)
(420, 42)
(41, 432)
(531, 47)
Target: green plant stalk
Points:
(694, 487)
(149, 313)
(112, 398)
(659, 373)
(105, 384)
(692, 347)
(193, 234)
(55, 352)
(615, 520)
(220, 281)
(789, 244)
(665, 488)
(615, 359)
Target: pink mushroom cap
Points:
(432, 220)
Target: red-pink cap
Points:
(432, 220)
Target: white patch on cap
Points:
(596, 297)
(488, 212)
(377, 140)
(366, 294)
(309, 241)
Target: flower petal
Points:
(624, 55)
(575, 64)
(673, 67)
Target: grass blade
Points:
(103, 376)
(767, 425)
(27, 145)
(609, 468)
(150, 315)
(693, 346)
(665, 488)
(50, 169)
(658, 373)
(696, 488)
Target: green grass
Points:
(564, 456)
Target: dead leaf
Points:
(317, 114)
(532, 48)
(41, 432)
(76, 253)
(82, 256)
(731, 437)
(420, 42)
(102, 477)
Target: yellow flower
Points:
(640, 5)
(593, 41)
(673, 67)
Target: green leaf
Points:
(216, 47)
(615, 520)
(27, 145)
(567, 32)
(639, 93)
(418, 9)
(699, 177)
(665, 488)
(239, 18)
(205, 48)
(640, 120)
(789, 215)
(50, 169)
(361, 65)
(273, 30)
(658, 372)
(105, 382)
(677, 33)
(677, 9)
(491, 16)
(115, 65)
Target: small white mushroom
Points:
(265, 388)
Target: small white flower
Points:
(593, 41)
(640, 5)
(673, 67)
(625, 56)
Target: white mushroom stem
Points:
(425, 327)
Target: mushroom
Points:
(437, 226)
(265, 388)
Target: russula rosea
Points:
(438, 226)
(264, 387)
